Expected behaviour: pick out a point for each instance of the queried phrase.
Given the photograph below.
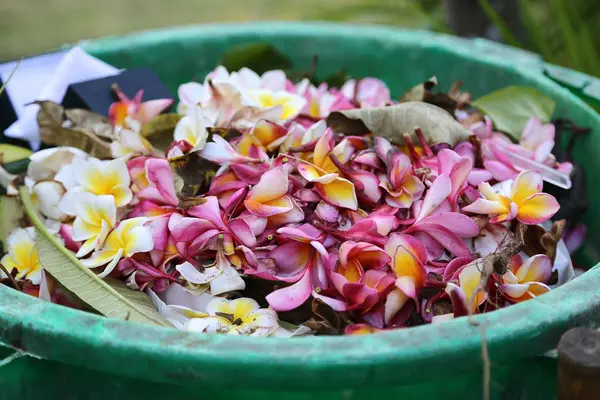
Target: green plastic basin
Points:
(87, 356)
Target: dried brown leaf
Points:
(90, 121)
(51, 118)
(192, 175)
(392, 122)
(159, 130)
(326, 320)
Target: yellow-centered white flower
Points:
(192, 127)
(96, 216)
(289, 104)
(128, 238)
(241, 316)
(98, 178)
(22, 255)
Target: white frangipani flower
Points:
(128, 238)
(22, 255)
(98, 178)
(96, 216)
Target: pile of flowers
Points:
(285, 213)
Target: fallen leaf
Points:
(51, 118)
(419, 92)
(11, 153)
(537, 240)
(510, 108)
(326, 320)
(110, 297)
(192, 175)
(392, 122)
(91, 121)
(159, 130)
(423, 92)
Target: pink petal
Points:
(434, 249)
(499, 171)
(327, 212)
(437, 193)
(337, 305)
(454, 267)
(447, 238)
(185, 229)
(304, 233)
(210, 211)
(151, 108)
(460, 224)
(272, 185)
(221, 152)
(160, 175)
(477, 176)
(291, 258)
(458, 299)
(293, 296)
(241, 230)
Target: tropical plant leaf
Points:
(192, 175)
(10, 153)
(110, 298)
(259, 57)
(392, 122)
(510, 108)
(11, 215)
(51, 118)
(159, 130)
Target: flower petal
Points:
(339, 193)
(536, 269)
(293, 296)
(537, 209)
(526, 184)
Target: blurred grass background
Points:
(564, 33)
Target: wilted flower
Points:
(241, 316)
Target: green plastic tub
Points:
(87, 356)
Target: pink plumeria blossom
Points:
(525, 202)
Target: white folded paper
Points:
(46, 77)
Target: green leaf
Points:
(110, 297)
(11, 214)
(17, 167)
(10, 153)
(510, 108)
(259, 57)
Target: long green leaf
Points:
(505, 31)
(510, 108)
(111, 298)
